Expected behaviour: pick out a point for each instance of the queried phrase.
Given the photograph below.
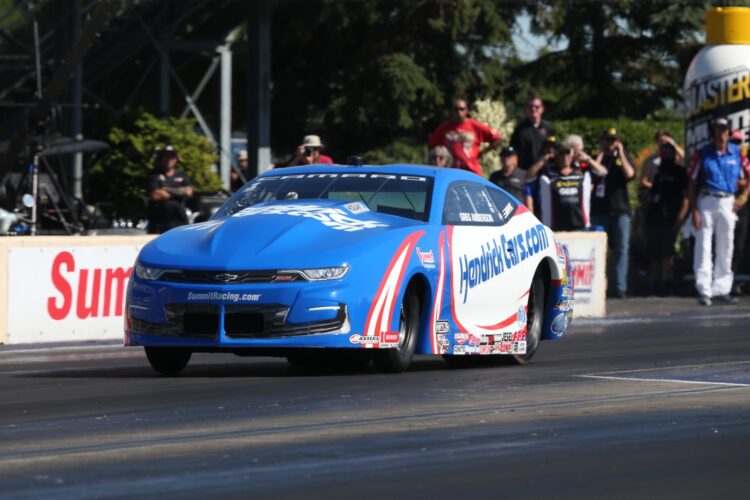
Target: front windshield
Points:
(403, 195)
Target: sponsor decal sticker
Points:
(560, 252)
(442, 326)
(443, 343)
(223, 296)
(518, 347)
(521, 317)
(335, 218)
(426, 257)
(507, 210)
(465, 349)
(498, 255)
(504, 347)
(364, 340)
(473, 217)
(389, 338)
(558, 325)
(357, 207)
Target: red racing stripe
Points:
(377, 311)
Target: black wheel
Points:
(399, 358)
(534, 319)
(168, 360)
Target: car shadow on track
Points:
(262, 368)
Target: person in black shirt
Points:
(564, 190)
(610, 206)
(546, 160)
(529, 135)
(168, 189)
(667, 208)
(510, 177)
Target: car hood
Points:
(276, 235)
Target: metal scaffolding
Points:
(154, 34)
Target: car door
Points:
(488, 281)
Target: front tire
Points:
(168, 360)
(398, 359)
(534, 319)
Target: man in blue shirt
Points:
(714, 171)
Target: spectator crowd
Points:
(571, 190)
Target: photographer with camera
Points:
(309, 153)
(168, 190)
(610, 206)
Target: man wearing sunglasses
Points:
(463, 137)
(531, 133)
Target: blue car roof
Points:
(402, 168)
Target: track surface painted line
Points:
(730, 373)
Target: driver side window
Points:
(469, 204)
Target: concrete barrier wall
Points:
(64, 288)
(588, 253)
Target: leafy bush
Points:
(637, 135)
(493, 113)
(120, 177)
(398, 151)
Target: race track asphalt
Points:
(653, 402)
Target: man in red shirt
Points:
(463, 136)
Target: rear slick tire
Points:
(534, 320)
(168, 360)
(398, 359)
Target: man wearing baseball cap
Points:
(714, 171)
(510, 177)
(610, 206)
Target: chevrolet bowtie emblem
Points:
(226, 277)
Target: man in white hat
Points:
(309, 152)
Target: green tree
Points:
(619, 57)
(374, 76)
(120, 177)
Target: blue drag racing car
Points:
(368, 262)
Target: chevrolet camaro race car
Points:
(370, 262)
